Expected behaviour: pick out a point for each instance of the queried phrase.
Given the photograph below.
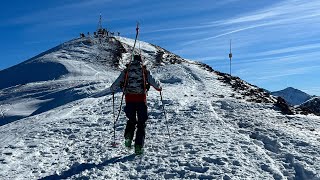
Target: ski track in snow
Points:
(214, 136)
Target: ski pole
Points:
(165, 114)
(114, 121)
(114, 115)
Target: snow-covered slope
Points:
(221, 128)
(293, 96)
(54, 78)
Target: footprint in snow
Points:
(8, 153)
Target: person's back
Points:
(134, 81)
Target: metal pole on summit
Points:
(230, 56)
(165, 114)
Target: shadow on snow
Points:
(78, 168)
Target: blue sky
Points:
(276, 43)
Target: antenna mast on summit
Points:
(230, 56)
(100, 22)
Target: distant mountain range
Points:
(293, 96)
(301, 100)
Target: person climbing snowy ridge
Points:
(134, 82)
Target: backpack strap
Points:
(124, 83)
(146, 85)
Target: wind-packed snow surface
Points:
(52, 129)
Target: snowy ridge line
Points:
(239, 85)
(259, 95)
(219, 128)
(79, 60)
(152, 55)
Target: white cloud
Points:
(286, 11)
(312, 90)
(288, 15)
(289, 50)
(225, 33)
(275, 73)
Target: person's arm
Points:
(116, 85)
(113, 88)
(154, 83)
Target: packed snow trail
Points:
(213, 136)
(216, 132)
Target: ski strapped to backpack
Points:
(144, 72)
(124, 87)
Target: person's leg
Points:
(130, 110)
(142, 113)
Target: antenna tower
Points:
(100, 22)
(230, 56)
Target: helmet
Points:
(137, 58)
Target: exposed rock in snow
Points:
(311, 106)
(282, 104)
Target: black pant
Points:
(134, 110)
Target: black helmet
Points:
(137, 58)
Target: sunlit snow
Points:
(53, 128)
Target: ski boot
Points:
(138, 149)
(127, 143)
